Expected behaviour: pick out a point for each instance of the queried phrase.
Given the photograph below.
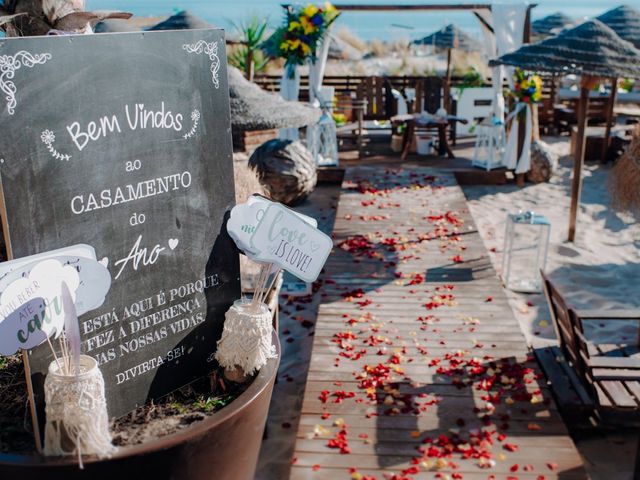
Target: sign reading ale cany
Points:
(123, 142)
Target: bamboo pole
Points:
(576, 186)
(607, 130)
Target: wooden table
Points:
(414, 121)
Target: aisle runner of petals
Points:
(398, 371)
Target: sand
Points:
(601, 270)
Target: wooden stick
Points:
(32, 401)
(273, 282)
(25, 358)
(576, 186)
(54, 353)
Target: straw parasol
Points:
(115, 26)
(551, 24)
(183, 20)
(591, 50)
(625, 177)
(252, 108)
(448, 38)
(625, 21)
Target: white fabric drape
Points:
(508, 24)
(522, 164)
(497, 73)
(290, 90)
(316, 72)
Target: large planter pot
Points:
(224, 446)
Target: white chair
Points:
(490, 144)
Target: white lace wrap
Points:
(76, 410)
(246, 339)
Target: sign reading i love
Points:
(285, 239)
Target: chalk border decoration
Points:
(210, 49)
(195, 120)
(49, 138)
(8, 66)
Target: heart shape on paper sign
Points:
(314, 246)
(173, 243)
(104, 262)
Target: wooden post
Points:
(249, 66)
(446, 102)
(576, 186)
(607, 130)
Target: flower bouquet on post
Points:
(527, 90)
(303, 30)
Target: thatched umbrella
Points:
(252, 108)
(448, 38)
(591, 50)
(183, 20)
(28, 18)
(551, 24)
(625, 21)
(625, 177)
(115, 26)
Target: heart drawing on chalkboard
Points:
(104, 262)
(173, 243)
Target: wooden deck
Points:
(419, 368)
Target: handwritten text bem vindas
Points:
(137, 117)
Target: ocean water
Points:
(367, 25)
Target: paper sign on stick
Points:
(283, 238)
(245, 218)
(31, 307)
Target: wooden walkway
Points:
(419, 369)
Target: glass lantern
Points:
(526, 243)
(322, 140)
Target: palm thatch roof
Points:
(449, 37)
(252, 108)
(115, 25)
(625, 21)
(551, 24)
(183, 20)
(341, 50)
(588, 49)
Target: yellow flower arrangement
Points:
(304, 29)
(528, 88)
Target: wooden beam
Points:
(607, 131)
(576, 186)
(425, 7)
(527, 26)
(484, 22)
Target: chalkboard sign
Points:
(123, 142)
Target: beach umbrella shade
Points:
(181, 21)
(341, 50)
(591, 50)
(625, 21)
(625, 177)
(551, 24)
(448, 38)
(252, 108)
(115, 26)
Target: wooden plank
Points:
(564, 387)
(618, 395)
